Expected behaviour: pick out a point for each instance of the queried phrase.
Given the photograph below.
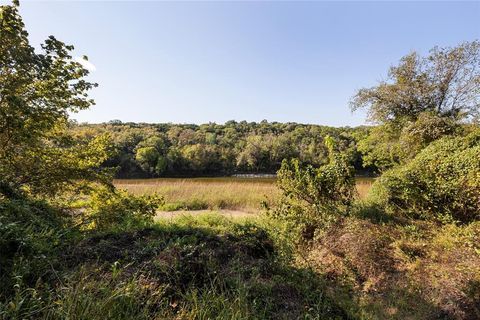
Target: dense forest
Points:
(155, 150)
(142, 150)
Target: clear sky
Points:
(196, 62)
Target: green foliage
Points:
(390, 144)
(427, 128)
(34, 236)
(446, 82)
(66, 164)
(381, 148)
(192, 268)
(151, 155)
(314, 197)
(117, 209)
(105, 259)
(424, 99)
(200, 157)
(31, 232)
(37, 90)
(442, 181)
(43, 165)
(152, 150)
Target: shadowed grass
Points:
(193, 267)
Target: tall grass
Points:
(206, 193)
(363, 185)
(245, 194)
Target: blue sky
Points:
(196, 62)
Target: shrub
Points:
(314, 197)
(31, 232)
(426, 129)
(442, 181)
(116, 208)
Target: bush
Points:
(427, 128)
(441, 182)
(314, 197)
(31, 232)
(118, 209)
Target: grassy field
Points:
(232, 193)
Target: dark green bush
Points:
(31, 232)
(442, 181)
(429, 127)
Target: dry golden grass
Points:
(419, 270)
(206, 193)
(363, 185)
(231, 193)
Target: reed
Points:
(245, 194)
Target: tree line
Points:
(156, 150)
(423, 99)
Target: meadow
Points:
(225, 193)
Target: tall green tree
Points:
(423, 99)
(446, 82)
(37, 91)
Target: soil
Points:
(224, 212)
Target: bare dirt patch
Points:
(223, 212)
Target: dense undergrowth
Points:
(207, 267)
(410, 250)
(410, 270)
(441, 182)
(364, 265)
